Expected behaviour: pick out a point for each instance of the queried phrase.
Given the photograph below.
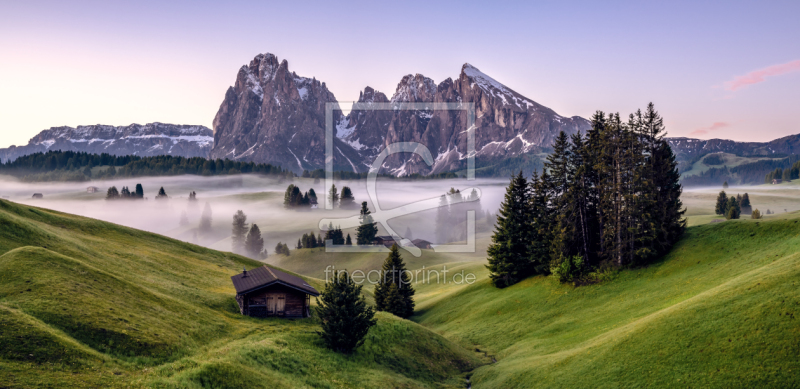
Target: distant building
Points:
(92, 189)
(313, 202)
(38, 196)
(267, 292)
(387, 241)
(422, 244)
(776, 181)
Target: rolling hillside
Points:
(84, 303)
(721, 310)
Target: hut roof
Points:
(265, 276)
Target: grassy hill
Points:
(721, 310)
(84, 303)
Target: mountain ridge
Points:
(266, 114)
(143, 140)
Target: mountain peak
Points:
(414, 88)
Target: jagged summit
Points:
(273, 115)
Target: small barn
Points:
(387, 241)
(92, 189)
(38, 196)
(776, 181)
(267, 292)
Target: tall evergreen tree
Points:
(205, 219)
(139, 191)
(162, 194)
(509, 255)
(333, 196)
(254, 243)
(733, 211)
(722, 204)
(239, 232)
(347, 200)
(348, 241)
(394, 274)
(346, 318)
(366, 231)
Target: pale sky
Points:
(714, 69)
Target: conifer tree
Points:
(254, 243)
(239, 232)
(162, 194)
(509, 256)
(756, 214)
(347, 200)
(745, 204)
(724, 185)
(112, 193)
(333, 196)
(722, 204)
(366, 231)
(394, 274)
(348, 241)
(346, 318)
(205, 219)
(139, 191)
(733, 210)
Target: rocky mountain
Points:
(689, 148)
(273, 115)
(143, 140)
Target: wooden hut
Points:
(92, 189)
(422, 243)
(38, 196)
(267, 292)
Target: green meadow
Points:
(86, 303)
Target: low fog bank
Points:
(261, 199)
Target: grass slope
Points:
(84, 303)
(721, 310)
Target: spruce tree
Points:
(722, 204)
(139, 191)
(347, 200)
(346, 318)
(394, 274)
(333, 196)
(205, 219)
(724, 185)
(238, 232)
(745, 204)
(348, 241)
(366, 231)
(509, 255)
(756, 214)
(254, 243)
(733, 211)
(162, 194)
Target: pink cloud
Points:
(760, 75)
(705, 130)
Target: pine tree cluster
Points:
(114, 194)
(282, 248)
(610, 198)
(294, 198)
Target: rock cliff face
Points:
(272, 115)
(143, 140)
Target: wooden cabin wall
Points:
(294, 305)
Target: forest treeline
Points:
(754, 173)
(606, 200)
(77, 166)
